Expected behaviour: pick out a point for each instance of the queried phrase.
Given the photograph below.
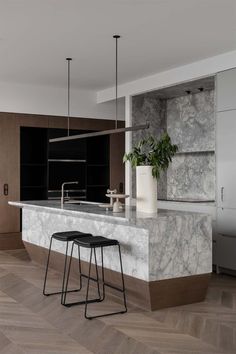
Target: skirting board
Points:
(11, 241)
(148, 295)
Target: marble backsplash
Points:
(149, 107)
(192, 177)
(190, 122)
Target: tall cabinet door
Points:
(226, 90)
(9, 174)
(226, 159)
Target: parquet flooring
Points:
(33, 324)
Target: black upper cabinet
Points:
(33, 159)
(98, 171)
(45, 166)
(98, 150)
(71, 149)
(67, 162)
(60, 172)
(33, 145)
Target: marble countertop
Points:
(129, 215)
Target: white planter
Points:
(146, 190)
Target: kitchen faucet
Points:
(62, 191)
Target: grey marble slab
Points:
(166, 245)
(149, 107)
(191, 121)
(39, 225)
(192, 177)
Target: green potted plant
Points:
(150, 156)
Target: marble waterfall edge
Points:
(168, 245)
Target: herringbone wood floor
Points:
(33, 324)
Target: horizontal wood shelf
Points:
(66, 190)
(34, 165)
(67, 160)
(28, 187)
(196, 152)
(97, 165)
(97, 185)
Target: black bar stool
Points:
(92, 243)
(66, 236)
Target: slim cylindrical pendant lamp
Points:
(68, 95)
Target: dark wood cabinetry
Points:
(28, 168)
(9, 177)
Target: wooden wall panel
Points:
(57, 122)
(11, 241)
(9, 173)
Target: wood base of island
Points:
(11, 241)
(152, 295)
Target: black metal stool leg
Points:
(103, 282)
(68, 275)
(46, 271)
(87, 291)
(122, 278)
(85, 276)
(64, 274)
(106, 284)
(80, 270)
(96, 267)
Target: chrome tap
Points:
(62, 191)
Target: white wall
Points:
(22, 98)
(196, 70)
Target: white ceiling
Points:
(37, 35)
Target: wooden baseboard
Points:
(178, 291)
(11, 241)
(148, 295)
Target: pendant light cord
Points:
(99, 133)
(116, 36)
(68, 95)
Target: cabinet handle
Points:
(222, 194)
(5, 189)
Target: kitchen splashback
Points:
(149, 107)
(190, 122)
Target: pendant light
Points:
(116, 36)
(103, 132)
(68, 95)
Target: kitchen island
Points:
(167, 257)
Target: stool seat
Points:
(69, 235)
(95, 241)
